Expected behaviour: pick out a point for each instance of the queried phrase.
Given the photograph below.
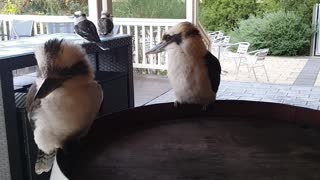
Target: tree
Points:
(45, 7)
(302, 8)
(225, 14)
(12, 6)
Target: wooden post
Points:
(95, 7)
(196, 11)
(107, 5)
(192, 11)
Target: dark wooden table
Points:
(113, 71)
(234, 140)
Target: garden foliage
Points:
(282, 25)
(283, 33)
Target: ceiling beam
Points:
(95, 8)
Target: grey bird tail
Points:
(102, 46)
(44, 162)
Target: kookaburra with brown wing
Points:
(193, 72)
(64, 101)
(87, 30)
(105, 23)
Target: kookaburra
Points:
(63, 102)
(105, 23)
(86, 29)
(193, 72)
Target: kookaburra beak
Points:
(47, 86)
(164, 43)
(158, 48)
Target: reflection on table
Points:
(23, 46)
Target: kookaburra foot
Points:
(205, 107)
(176, 104)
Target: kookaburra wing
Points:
(105, 23)
(193, 72)
(64, 101)
(214, 70)
(44, 160)
(87, 30)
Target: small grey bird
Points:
(105, 23)
(193, 72)
(86, 29)
(63, 102)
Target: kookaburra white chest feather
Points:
(64, 101)
(189, 78)
(193, 72)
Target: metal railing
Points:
(39, 26)
(145, 32)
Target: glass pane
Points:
(171, 9)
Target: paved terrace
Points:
(293, 80)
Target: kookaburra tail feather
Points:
(102, 46)
(44, 162)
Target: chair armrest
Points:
(253, 52)
(228, 45)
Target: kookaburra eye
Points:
(166, 37)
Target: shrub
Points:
(283, 33)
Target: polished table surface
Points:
(234, 140)
(24, 46)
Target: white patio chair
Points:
(21, 28)
(222, 39)
(239, 55)
(257, 60)
(60, 27)
(225, 39)
(215, 36)
(219, 46)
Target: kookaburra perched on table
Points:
(193, 72)
(63, 102)
(86, 29)
(105, 23)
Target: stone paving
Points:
(281, 70)
(293, 81)
(301, 96)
